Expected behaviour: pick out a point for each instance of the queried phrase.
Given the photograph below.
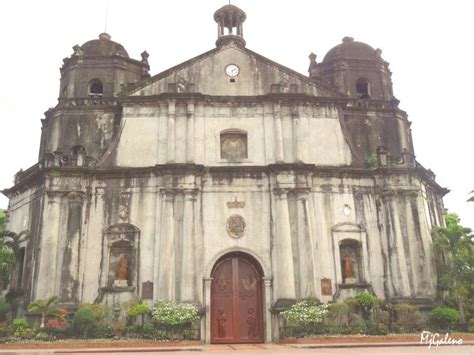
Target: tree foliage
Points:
(454, 246)
(47, 308)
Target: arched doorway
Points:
(236, 300)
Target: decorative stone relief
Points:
(124, 207)
(235, 204)
(181, 86)
(235, 226)
(234, 146)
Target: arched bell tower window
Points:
(363, 89)
(96, 88)
(234, 145)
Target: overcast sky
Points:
(428, 44)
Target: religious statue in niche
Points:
(251, 323)
(350, 262)
(236, 226)
(120, 264)
(233, 146)
(221, 319)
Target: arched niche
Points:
(350, 239)
(120, 256)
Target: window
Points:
(234, 145)
(363, 89)
(96, 88)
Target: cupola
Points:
(230, 21)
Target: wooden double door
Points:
(236, 301)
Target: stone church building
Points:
(229, 181)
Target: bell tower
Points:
(230, 21)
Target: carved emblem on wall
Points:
(236, 204)
(222, 284)
(233, 146)
(326, 287)
(236, 226)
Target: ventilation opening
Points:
(96, 88)
(232, 80)
(363, 89)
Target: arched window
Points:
(363, 89)
(96, 88)
(233, 145)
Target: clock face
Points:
(232, 70)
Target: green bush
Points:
(337, 315)
(4, 309)
(172, 313)
(19, 323)
(21, 329)
(470, 329)
(444, 317)
(84, 320)
(148, 329)
(139, 309)
(103, 331)
(304, 318)
(305, 313)
(407, 318)
(366, 302)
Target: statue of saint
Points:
(221, 319)
(122, 270)
(347, 264)
(251, 323)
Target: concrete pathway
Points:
(267, 349)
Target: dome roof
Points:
(351, 49)
(103, 47)
(227, 10)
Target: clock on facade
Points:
(232, 70)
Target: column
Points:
(170, 148)
(267, 283)
(46, 276)
(427, 240)
(305, 247)
(68, 289)
(296, 136)
(207, 309)
(159, 208)
(146, 216)
(285, 274)
(167, 267)
(188, 270)
(278, 134)
(190, 134)
(399, 265)
(413, 241)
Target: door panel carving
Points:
(236, 301)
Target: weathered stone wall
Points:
(188, 131)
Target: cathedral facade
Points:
(228, 181)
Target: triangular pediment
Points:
(257, 75)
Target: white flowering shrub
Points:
(303, 313)
(173, 313)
